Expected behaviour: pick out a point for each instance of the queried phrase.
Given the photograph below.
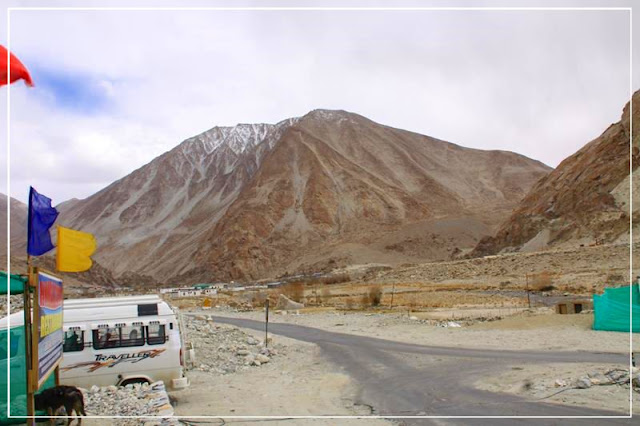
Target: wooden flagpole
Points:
(28, 333)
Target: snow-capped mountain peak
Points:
(241, 137)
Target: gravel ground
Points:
(222, 349)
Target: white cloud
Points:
(538, 83)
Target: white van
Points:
(117, 341)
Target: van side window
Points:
(131, 336)
(118, 337)
(156, 334)
(105, 338)
(73, 341)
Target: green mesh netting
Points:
(17, 388)
(13, 283)
(611, 309)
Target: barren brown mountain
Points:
(18, 236)
(585, 200)
(326, 189)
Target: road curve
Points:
(437, 381)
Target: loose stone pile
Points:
(132, 400)
(616, 376)
(611, 377)
(403, 319)
(225, 349)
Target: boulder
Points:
(583, 383)
(262, 358)
(287, 304)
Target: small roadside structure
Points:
(573, 306)
(613, 309)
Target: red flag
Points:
(18, 71)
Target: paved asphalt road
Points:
(401, 379)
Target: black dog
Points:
(69, 397)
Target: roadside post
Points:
(266, 323)
(393, 290)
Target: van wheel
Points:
(133, 381)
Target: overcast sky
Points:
(115, 89)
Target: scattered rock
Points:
(618, 376)
(583, 383)
(287, 304)
(223, 349)
(598, 378)
(133, 400)
(262, 358)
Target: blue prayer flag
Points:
(41, 218)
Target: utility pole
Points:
(528, 297)
(266, 324)
(393, 290)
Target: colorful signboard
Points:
(49, 299)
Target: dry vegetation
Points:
(542, 282)
(406, 296)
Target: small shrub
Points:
(326, 295)
(373, 297)
(350, 303)
(294, 291)
(258, 299)
(542, 282)
(337, 279)
(615, 279)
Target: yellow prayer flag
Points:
(74, 250)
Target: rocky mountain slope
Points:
(585, 200)
(18, 236)
(328, 188)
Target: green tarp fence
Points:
(15, 283)
(14, 391)
(612, 310)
